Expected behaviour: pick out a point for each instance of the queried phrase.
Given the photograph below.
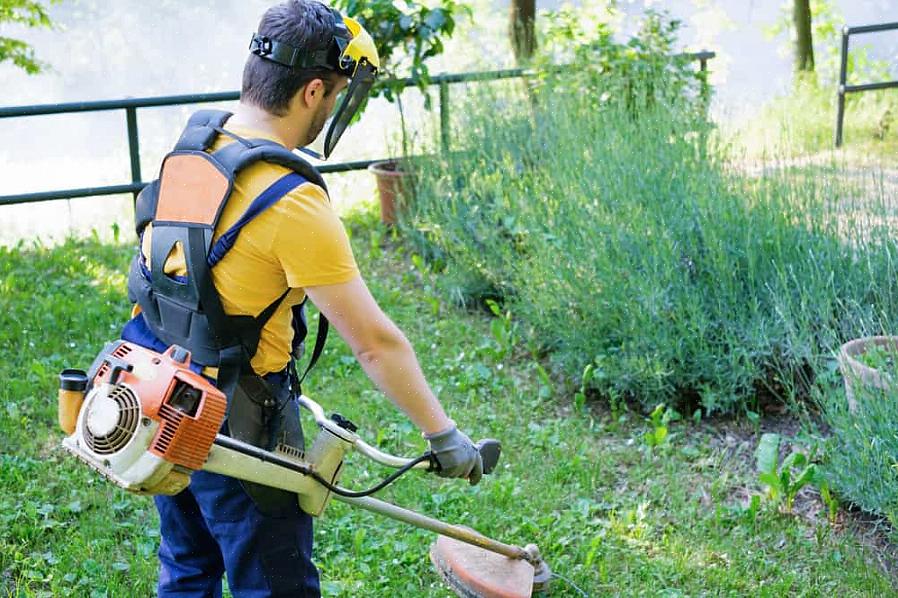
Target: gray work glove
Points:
(456, 455)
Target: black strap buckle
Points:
(261, 45)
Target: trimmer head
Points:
(473, 572)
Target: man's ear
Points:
(313, 93)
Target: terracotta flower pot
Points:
(858, 374)
(394, 186)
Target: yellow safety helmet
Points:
(360, 47)
(351, 53)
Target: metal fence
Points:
(844, 88)
(131, 106)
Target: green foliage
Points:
(862, 451)
(879, 357)
(27, 13)
(783, 480)
(637, 74)
(658, 433)
(585, 379)
(829, 499)
(622, 236)
(503, 330)
(603, 517)
(406, 34)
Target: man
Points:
(264, 261)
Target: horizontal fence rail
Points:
(844, 88)
(131, 105)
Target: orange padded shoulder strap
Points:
(191, 189)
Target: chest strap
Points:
(265, 200)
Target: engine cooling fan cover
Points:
(111, 418)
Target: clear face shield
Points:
(353, 97)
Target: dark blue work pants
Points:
(213, 527)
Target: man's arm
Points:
(389, 360)
(382, 350)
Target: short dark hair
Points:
(304, 24)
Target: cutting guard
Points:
(473, 572)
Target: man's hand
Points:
(456, 455)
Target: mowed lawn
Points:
(612, 515)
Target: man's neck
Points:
(283, 129)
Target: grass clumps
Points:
(861, 418)
(615, 227)
(862, 448)
(803, 122)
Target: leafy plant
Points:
(502, 329)
(406, 33)
(30, 14)
(878, 357)
(638, 73)
(585, 379)
(785, 479)
(829, 500)
(659, 420)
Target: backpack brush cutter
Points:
(146, 421)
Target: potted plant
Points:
(406, 34)
(866, 363)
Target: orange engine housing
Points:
(188, 408)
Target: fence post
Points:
(843, 80)
(133, 146)
(444, 115)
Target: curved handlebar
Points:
(490, 449)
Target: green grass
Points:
(802, 123)
(611, 513)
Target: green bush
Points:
(863, 449)
(621, 236)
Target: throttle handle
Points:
(490, 450)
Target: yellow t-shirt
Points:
(298, 242)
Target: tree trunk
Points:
(804, 44)
(522, 29)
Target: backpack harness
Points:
(184, 205)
